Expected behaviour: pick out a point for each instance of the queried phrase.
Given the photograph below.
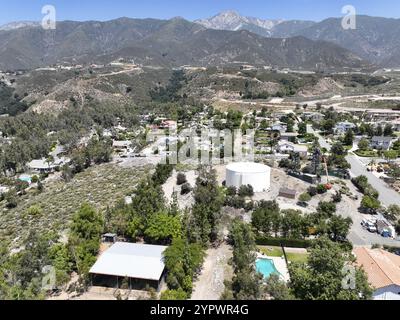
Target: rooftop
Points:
(382, 267)
(382, 138)
(247, 167)
(140, 261)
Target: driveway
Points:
(216, 269)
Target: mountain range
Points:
(233, 21)
(375, 39)
(171, 43)
(223, 39)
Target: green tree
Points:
(182, 261)
(363, 145)
(326, 209)
(338, 227)
(246, 283)
(291, 223)
(277, 289)
(266, 217)
(393, 212)
(209, 199)
(162, 228)
(322, 276)
(348, 138)
(174, 295)
(388, 131)
(84, 237)
(390, 155)
(370, 203)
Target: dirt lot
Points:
(210, 284)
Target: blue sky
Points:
(14, 10)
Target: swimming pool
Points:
(266, 267)
(25, 179)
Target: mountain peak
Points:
(233, 21)
(19, 25)
(229, 13)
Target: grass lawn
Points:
(297, 257)
(271, 251)
(277, 252)
(366, 153)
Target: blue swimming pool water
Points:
(266, 267)
(26, 179)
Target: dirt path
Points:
(210, 284)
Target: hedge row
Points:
(290, 243)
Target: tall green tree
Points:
(247, 282)
(323, 276)
(209, 199)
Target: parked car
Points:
(302, 204)
(369, 225)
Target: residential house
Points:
(45, 166)
(383, 271)
(279, 126)
(288, 136)
(381, 143)
(313, 116)
(343, 127)
(288, 147)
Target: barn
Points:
(131, 266)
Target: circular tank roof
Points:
(247, 167)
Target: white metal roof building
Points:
(248, 173)
(131, 260)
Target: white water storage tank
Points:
(248, 173)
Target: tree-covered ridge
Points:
(10, 103)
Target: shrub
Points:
(306, 197)
(326, 209)
(312, 191)
(362, 184)
(11, 199)
(236, 202)
(174, 295)
(186, 189)
(35, 179)
(337, 197)
(231, 191)
(321, 189)
(290, 243)
(246, 191)
(181, 179)
(34, 210)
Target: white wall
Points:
(387, 293)
(259, 181)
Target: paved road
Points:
(359, 236)
(386, 195)
(349, 208)
(323, 143)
